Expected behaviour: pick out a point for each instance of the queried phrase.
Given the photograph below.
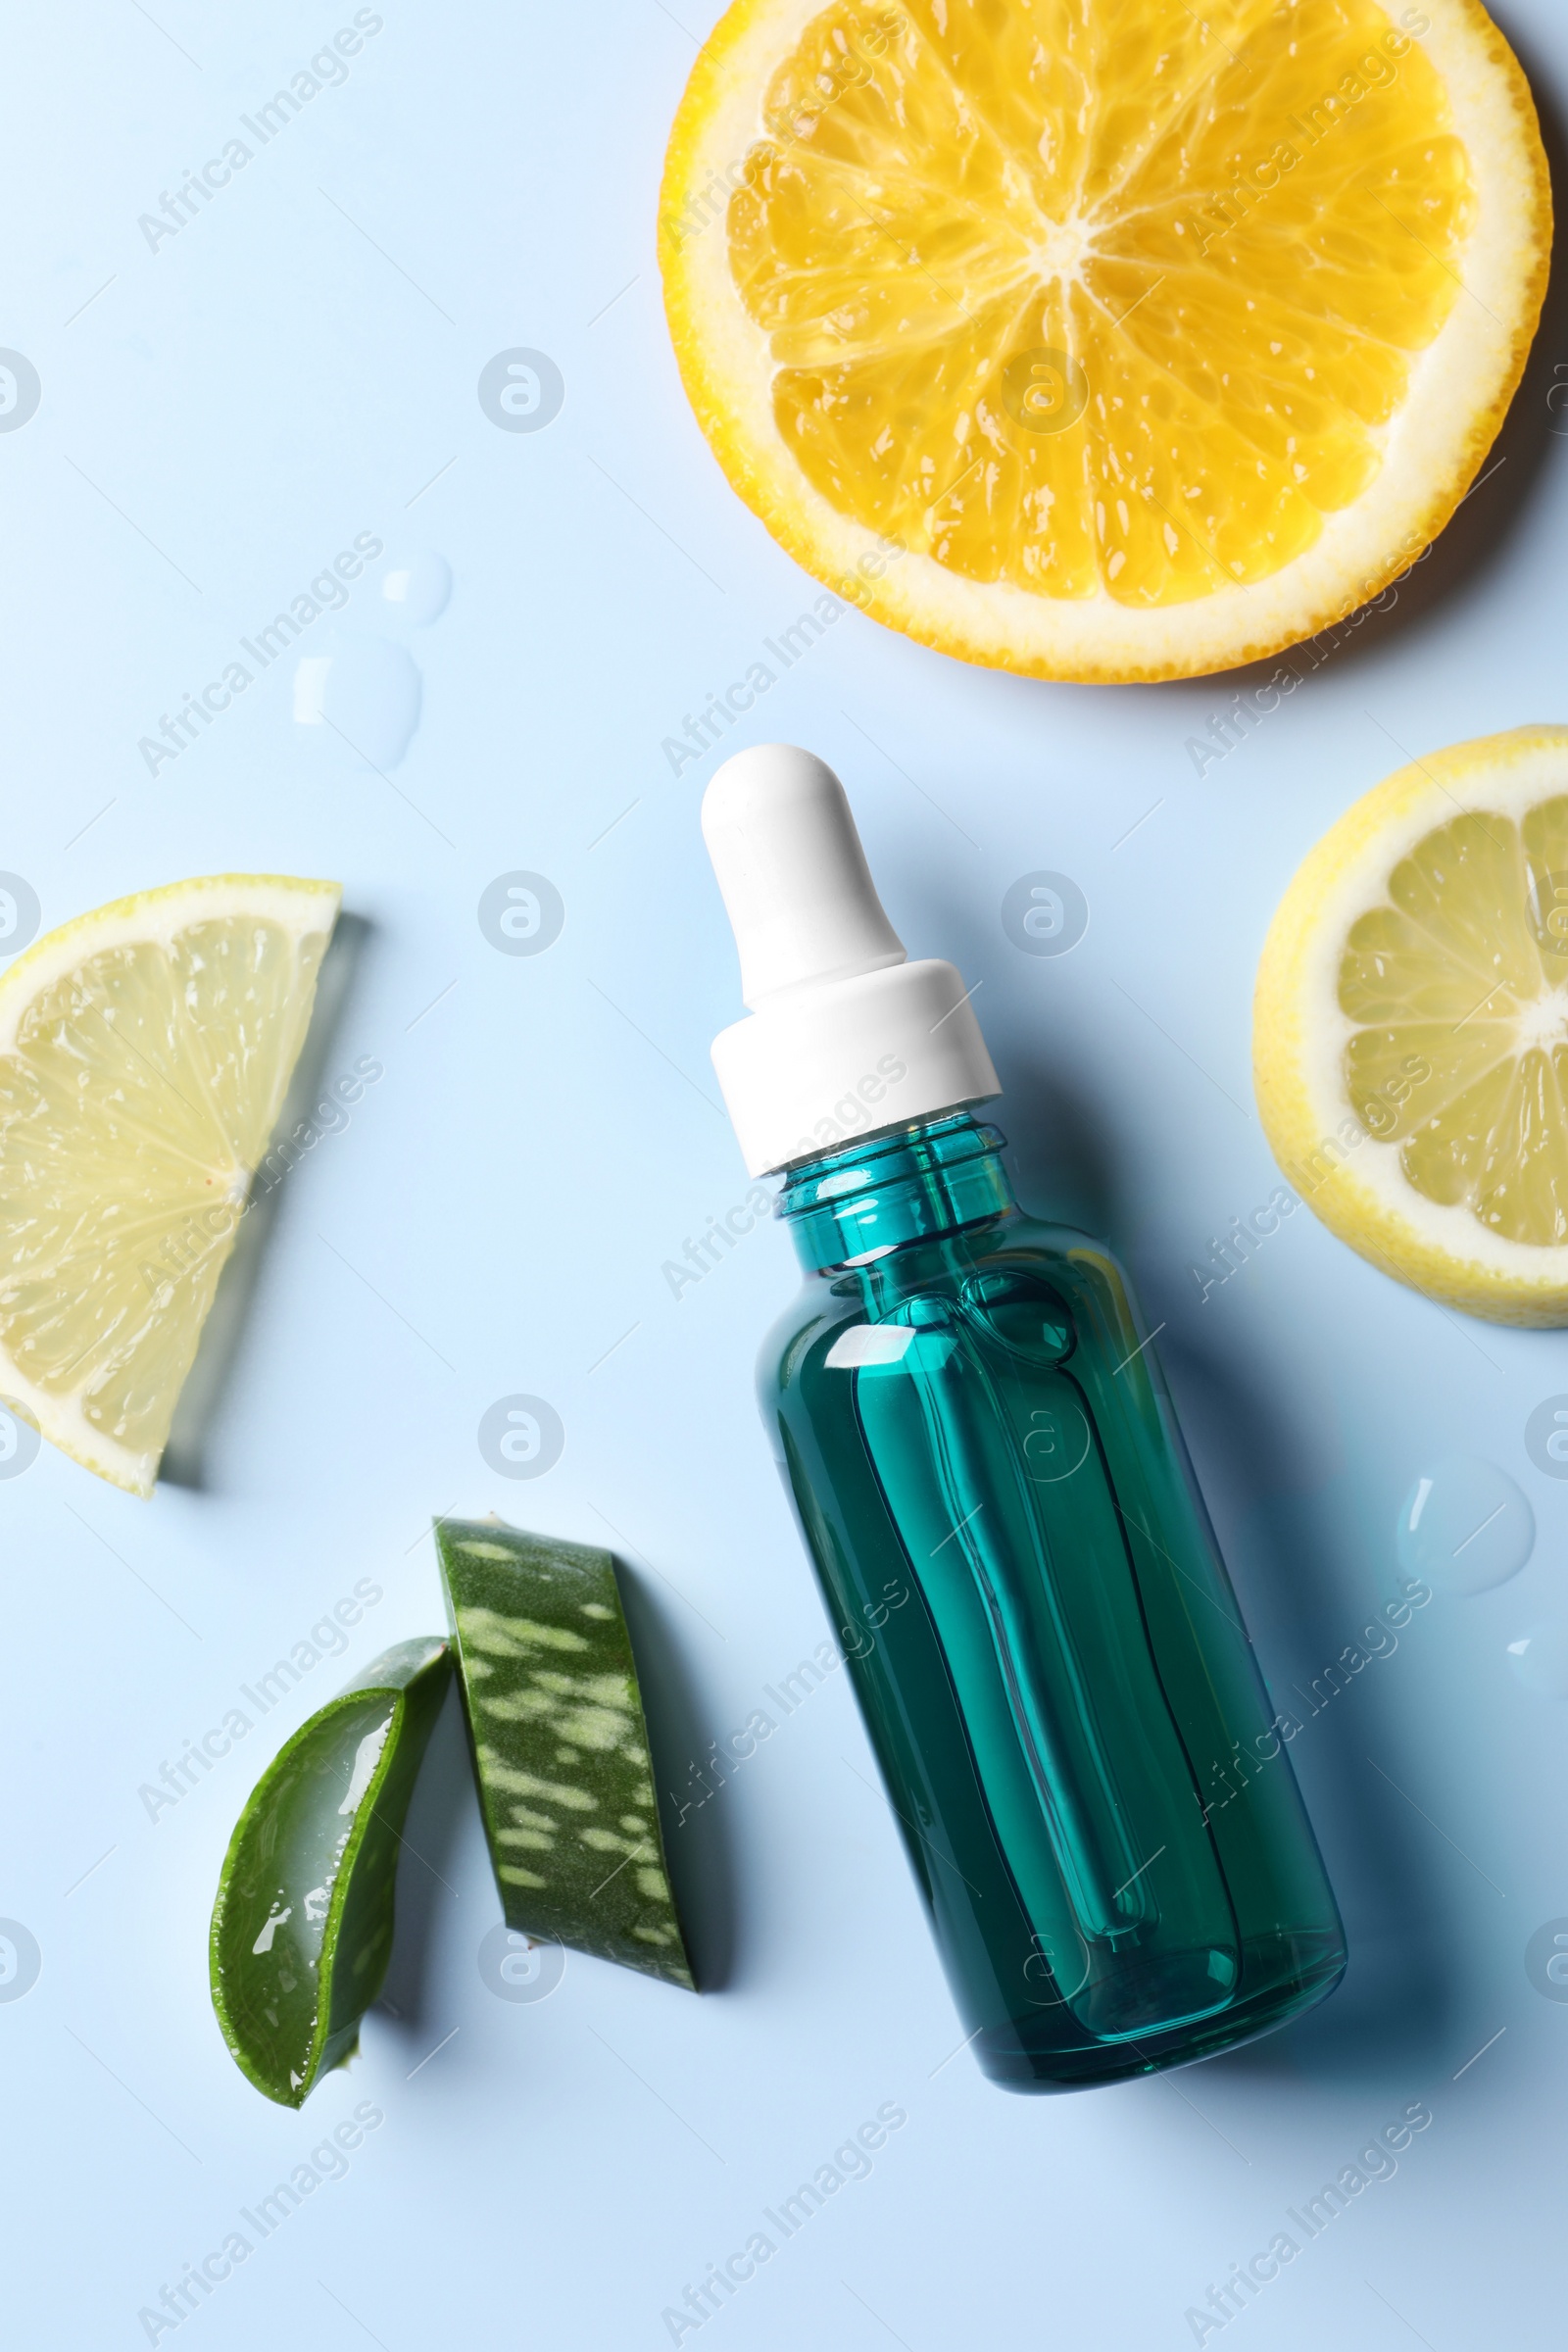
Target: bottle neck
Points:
(911, 1184)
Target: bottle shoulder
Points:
(824, 1304)
(1079, 1267)
(1080, 1260)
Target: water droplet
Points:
(1466, 1526)
(368, 694)
(1539, 1660)
(416, 588)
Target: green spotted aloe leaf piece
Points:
(560, 1744)
(301, 1928)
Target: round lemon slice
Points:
(1410, 1029)
(145, 1052)
(1103, 339)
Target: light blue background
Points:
(222, 417)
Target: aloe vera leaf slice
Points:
(301, 1928)
(560, 1744)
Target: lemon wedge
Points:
(145, 1052)
(1103, 339)
(1410, 1028)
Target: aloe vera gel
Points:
(1092, 1785)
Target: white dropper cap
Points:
(846, 1034)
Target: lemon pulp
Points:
(1464, 972)
(1097, 299)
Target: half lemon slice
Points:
(1410, 1031)
(1103, 339)
(145, 1052)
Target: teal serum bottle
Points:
(1092, 1785)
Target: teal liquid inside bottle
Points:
(1092, 1785)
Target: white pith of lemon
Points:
(1411, 1027)
(1247, 420)
(145, 1052)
